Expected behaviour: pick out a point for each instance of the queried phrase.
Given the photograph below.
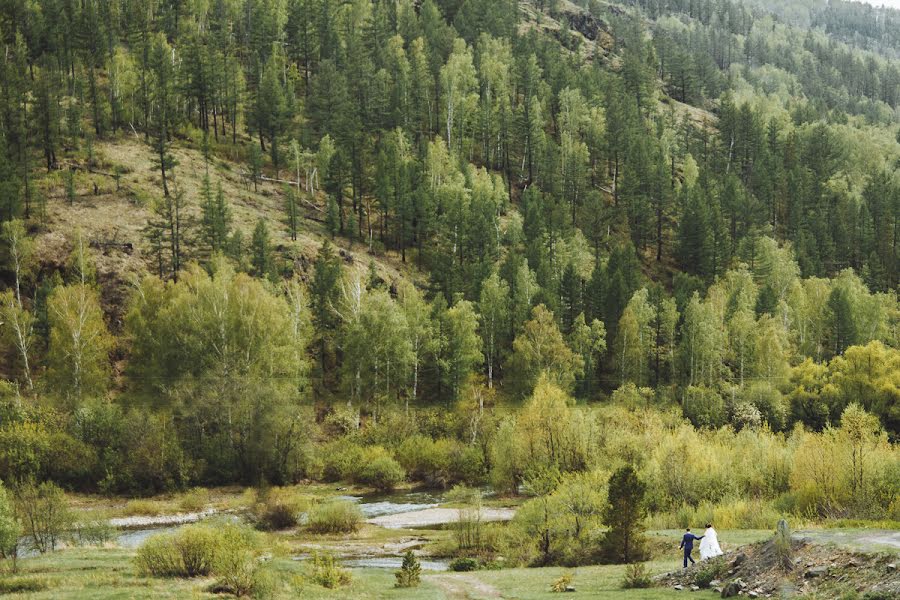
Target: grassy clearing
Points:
(598, 582)
(107, 574)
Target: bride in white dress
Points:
(709, 545)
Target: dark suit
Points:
(687, 543)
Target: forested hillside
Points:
(274, 240)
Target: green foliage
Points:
(23, 585)
(379, 470)
(278, 509)
(188, 553)
(410, 573)
(463, 564)
(326, 571)
(44, 513)
(443, 462)
(636, 577)
(93, 532)
(10, 526)
(562, 583)
(709, 571)
(624, 515)
(227, 551)
(541, 352)
(336, 516)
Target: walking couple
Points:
(709, 544)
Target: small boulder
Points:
(570, 588)
(695, 588)
(715, 583)
(892, 566)
(678, 588)
(738, 559)
(753, 594)
(731, 590)
(816, 572)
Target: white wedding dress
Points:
(709, 545)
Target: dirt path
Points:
(436, 516)
(462, 586)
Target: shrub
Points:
(158, 557)
(337, 516)
(324, 570)
(341, 460)
(562, 583)
(228, 552)
(704, 407)
(342, 421)
(194, 500)
(378, 469)
(636, 576)
(235, 561)
(10, 527)
(94, 532)
(22, 585)
(464, 564)
(705, 575)
(44, 510)
(410, 573)
(278, 509)
(189, 552)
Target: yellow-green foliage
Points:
(194, 500)
(279, 508)
(842, 469)
(227, 551)
(189, 552)
(547, 433)
(324, 570)
(335, 517)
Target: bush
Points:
(189, 552)
(463, 564)
(337, 516)
(235, 561)
(342, 421)
(159, 557)
(194, 500)
(228, 552)
(324, 570)
(410, 573)
(709, 571)
(93, 532)
(10, 527)
(278, 509)
(704, 407)
(636, 576)
(22, 585)
(379, 470)
(443, 462)
(563, 583)
(342, 458)
(44, 510)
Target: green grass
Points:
(107, 574)
(597, 583)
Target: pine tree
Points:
(624, 515)
(261, 251)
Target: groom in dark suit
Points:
(687, 543)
